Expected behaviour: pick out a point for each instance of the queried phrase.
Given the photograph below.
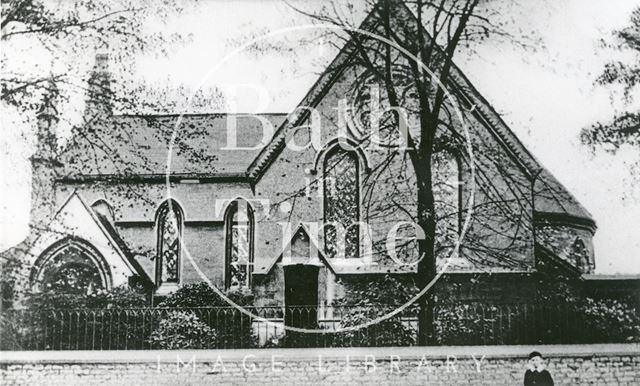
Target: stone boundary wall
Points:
(609, 364)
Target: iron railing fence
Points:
(517, 323)
(228, 327)
(142, 328)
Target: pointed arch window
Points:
(447, 196)
(170, 221)
(579, 255)
(71, 266)
(341, 177)
(239, 245)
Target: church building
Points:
(262, 203)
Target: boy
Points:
(536, 374)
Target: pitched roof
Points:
(550, 196)
(138, 145)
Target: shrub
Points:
(453, 324)
(11, 332)
(76, 321)
(572, 320)
(183, 330)
(609, 320)
(202, 295)
(368, 300)
(485, 323)
(233, 328)
(120, 297)
(393, 331)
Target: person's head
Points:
(535, 360)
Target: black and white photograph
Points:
(320, 192)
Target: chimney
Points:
(99, 101)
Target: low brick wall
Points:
(471, 365)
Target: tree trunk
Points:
(427, 265)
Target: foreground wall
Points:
(476, 365)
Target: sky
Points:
(545, 95)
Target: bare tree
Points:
(412, 69)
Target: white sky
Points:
(545, 96)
